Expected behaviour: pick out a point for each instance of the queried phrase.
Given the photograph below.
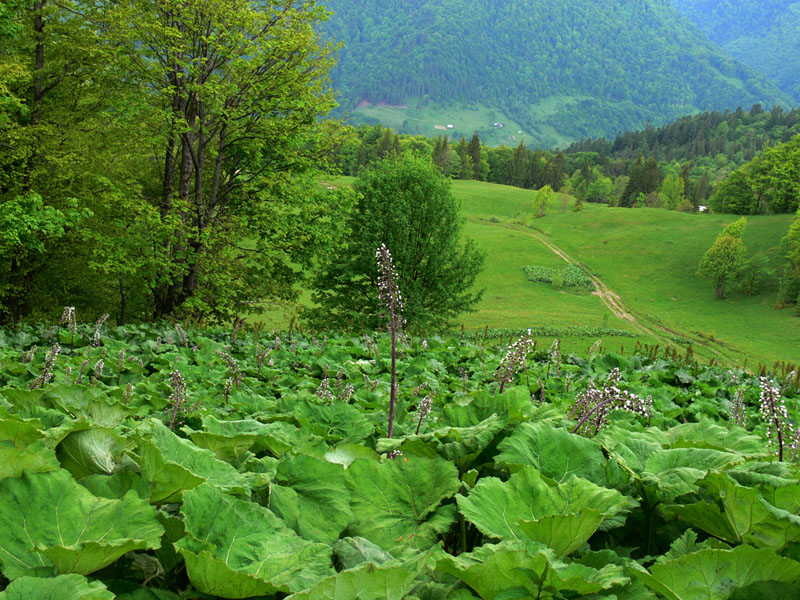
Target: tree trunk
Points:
(719, 291)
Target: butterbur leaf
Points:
(458, 444)
(354, 551)
(562, 533)
(92, 451)
(365, 582)
(496, 507)
(236, 549)
(50, 523)
(395, 502)
(173, 465)
(63, 587)
(23, 448)
(336, 422)
(715, 574)
(311, 497)
(345, 454)
(494, 569)
(558, 454)
(707, 434)
(737, 514)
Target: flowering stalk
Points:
(773, 411)
(424, 410)
(47, 368)
(514, 360)
(68, 319)
(392, 301)
(97, 325)
(178, 396)
(234, 373)
(593, 406)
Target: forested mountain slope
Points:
(762, 35)
(559, 70)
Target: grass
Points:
(466, 119)
(647, 256)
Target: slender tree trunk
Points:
(719, 291)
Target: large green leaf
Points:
(395, 502)
(558, 454)
(312, 498)
(707, 434)
(49, 523)
(336, 422)
(23, 448)
(522, 570)
(236, 549)
(354, 551)
(563, 533)
(92, 451)
(230, 439)
(737, 514)
(389, 581)
(716, 574)
(345, 454)
(675, 471)
(173, 465)
(63, 587)
(496, 507)
(458, 444)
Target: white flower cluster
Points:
(388, 291)
(738, 414)
(68, 319)
(773, 411)
(47, 368)
(592, 407)
(514, 359)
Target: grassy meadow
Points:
(648, 257)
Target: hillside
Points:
(762, 35)
(648, 257)
(549, 71)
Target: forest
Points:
(575, 69)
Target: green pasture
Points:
(647, 256)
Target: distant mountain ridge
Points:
(762, 35)
(556, 71)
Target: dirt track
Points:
(613, 302)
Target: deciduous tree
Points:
(407, 205)
(724, 260)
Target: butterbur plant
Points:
(392, 303)
(738, 414)
(780, 432)
(177, 400)
(234, 373)
(68, 320)
(96, 341)
(514, 360)
(592, 407)
(424, 409)
(324, 390)
(47, 368)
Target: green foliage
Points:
(407, 205)
(760, 36)
(723, 262)
(283, 506)
(191, 142)
(570, 275)
(770, 183)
